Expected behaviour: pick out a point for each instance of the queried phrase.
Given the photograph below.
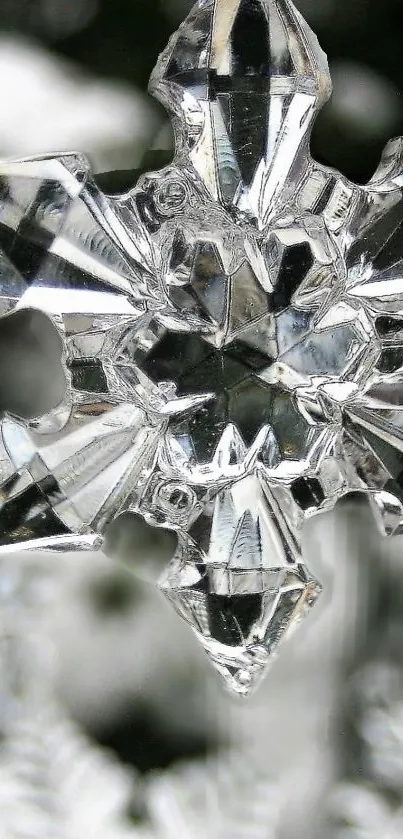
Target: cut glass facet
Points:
(220, 350)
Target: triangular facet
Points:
(209, 281)
(249, 301)
(281, 63)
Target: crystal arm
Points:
(77, 485)
(239, 580)
(64, 248)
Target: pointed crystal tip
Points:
(220, 72)
(250, 588)
(250, 40)
(241, 633)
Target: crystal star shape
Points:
(216, 354)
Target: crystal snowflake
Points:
(224, 342)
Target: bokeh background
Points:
(92, 660)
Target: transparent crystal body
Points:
(224, 342)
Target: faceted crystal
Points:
(254, 72)
(218, 353)
(249, 587)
